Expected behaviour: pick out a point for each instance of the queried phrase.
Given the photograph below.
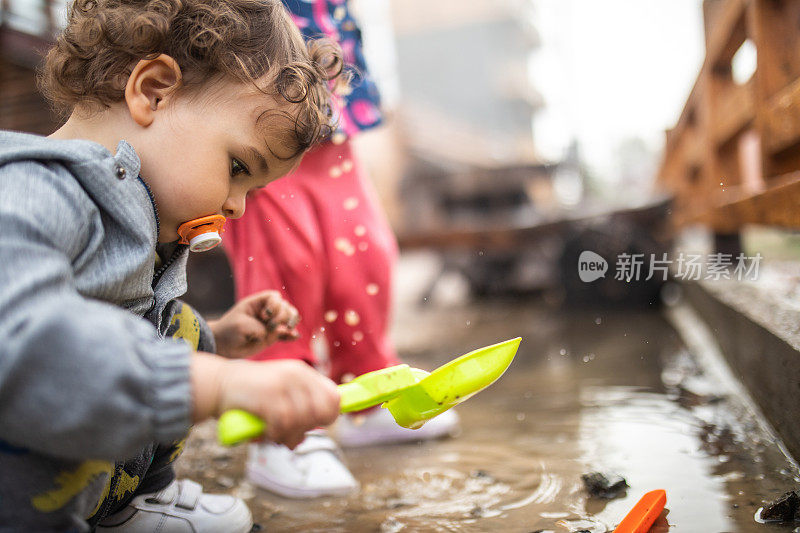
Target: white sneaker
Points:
(311, 470)
(378, 427)
(181, 507)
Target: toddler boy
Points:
(177, 109)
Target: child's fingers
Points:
(255, 302)
(285, 333)
(279, 333)
(283, 313)
(303, 417)
(269, 302)
(290, 431)
(294, 317)
(313, 403)
(286, 337)
(267, 311)
(325, 400)
(251, 335)
(279, 423)
(261, 305)
(294, 440)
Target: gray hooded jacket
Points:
(84, 369)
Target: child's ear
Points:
(150, 83)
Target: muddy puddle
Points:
(610, 391)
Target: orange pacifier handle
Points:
(203, 233)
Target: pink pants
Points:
(320, 237)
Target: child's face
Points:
(202, 155)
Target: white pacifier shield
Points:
(204, 241)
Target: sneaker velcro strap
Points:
(189, 494)
(316, 442)
(165, 496)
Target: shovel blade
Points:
(451, 384)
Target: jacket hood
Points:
(17, 146)
(111, 180)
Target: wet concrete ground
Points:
(589, 390)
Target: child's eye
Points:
(237, 167)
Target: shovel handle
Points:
(237, 426)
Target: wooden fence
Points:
(733, 158)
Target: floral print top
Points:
(360, 109)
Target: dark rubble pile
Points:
(784, 509)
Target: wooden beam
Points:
(727, 34)
(735, 111)
(499, 238)
(773, 28)
(782, 119)
(511, 238)
(776, 206)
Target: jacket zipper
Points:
(160, 272)
(152, 203)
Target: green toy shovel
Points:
(413, 396)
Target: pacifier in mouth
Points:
(202, 234)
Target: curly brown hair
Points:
(251, 41)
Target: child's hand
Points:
(289, 395)
(253, 323)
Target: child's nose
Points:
(233, 207)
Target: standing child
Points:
(177, 109)
(320, 237)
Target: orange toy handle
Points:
(203, 233)
(644, 513)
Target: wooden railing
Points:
(733, 157)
